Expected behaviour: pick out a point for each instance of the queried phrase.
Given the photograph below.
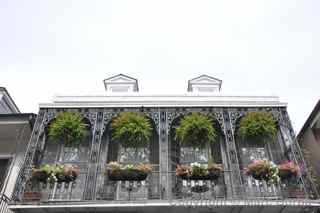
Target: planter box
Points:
(127, 175)
(296, 192)
(212, 175)
(261, 176)
(39, 175)
(286, 175)
(32, 196)
(199, 189)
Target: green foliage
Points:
(131, 129)
(196, 130)
(258, 127)
(68, 127)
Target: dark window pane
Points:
(3, 170)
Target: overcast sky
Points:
(64, 46)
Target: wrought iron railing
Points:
(4, 200)
(255, 189)
(150, 189)
(128, 190)
(105, 188)
(198, 189)
(219, 189)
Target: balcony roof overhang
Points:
(15, 130)
(248, 206)
(172, 100)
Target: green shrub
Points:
(258, 127)
(68, 127)
(195, 130)
(131, 129)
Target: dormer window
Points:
(121, 83)
(204, 83)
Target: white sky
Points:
(63, 46)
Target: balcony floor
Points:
(175, 206)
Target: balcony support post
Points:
(229, 118)
(164, 178)
(97, 132)
(26, 168)
(296, 154)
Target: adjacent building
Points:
(309, 140)
(15, 131)
(163, 190)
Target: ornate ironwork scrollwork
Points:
(155, 116)
(25, 171)
(212, 112)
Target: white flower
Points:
(195, 164)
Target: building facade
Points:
(309, 140)
(163, 190)
(15, 131)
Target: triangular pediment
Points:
(205, 79)
(121, 79)
(121, 83)
(204, 83)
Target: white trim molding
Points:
(158, 100)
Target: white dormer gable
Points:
(121, 83)
(204, 83)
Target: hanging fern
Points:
(68, 127)
(131, 129)
(258, 127)
(196, 130)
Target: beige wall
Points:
(309, 142)
(13, 144)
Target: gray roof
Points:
(11, 104)
(312, 115)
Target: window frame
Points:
(4, 177)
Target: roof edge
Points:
(10, 99)
(313, 113)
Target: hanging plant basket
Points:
(195, 130)
(68, 128)
(118, 172)
(197, 171)
(258, 127)
(131, 129)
